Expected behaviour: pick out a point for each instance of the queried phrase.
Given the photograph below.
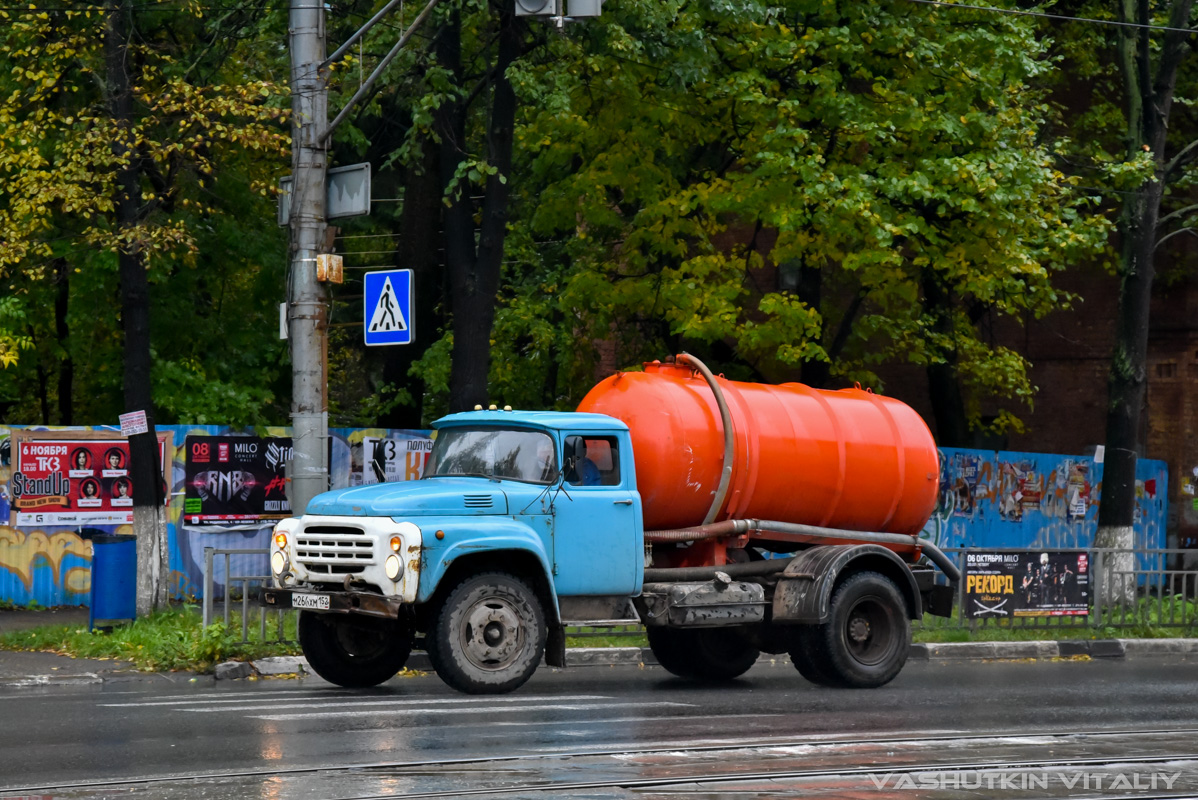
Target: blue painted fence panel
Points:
(51, 565)
(1000, 498)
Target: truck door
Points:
(597, 542)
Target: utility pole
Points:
(308, 308)
(307, 303)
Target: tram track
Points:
(796, 775)
(643, 767)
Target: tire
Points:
(488, 636)
(810, 660)
(354, 651)
(866, 639)
(704, 654)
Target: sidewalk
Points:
(46, 669)
(22, 619)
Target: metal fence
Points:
(1129, 588)
(241, 590)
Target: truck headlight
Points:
(393, 567)
(278, 562)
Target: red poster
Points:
(73, 478)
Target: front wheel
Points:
(488, 636)
(866, 639)
(705, 654)
(354, 651)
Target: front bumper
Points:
(365, 603)
(331, 552)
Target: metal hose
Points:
(733, 527)
(729, 436)
(741, 570)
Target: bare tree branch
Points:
(1169, 236)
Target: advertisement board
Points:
(399, 459)
(74, 478)
(232, 480)
(1026, 584)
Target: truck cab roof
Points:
(548, 420)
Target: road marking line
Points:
(286, 702)
(333, 692)
(609, 720)
(475, 710)
(248, 697)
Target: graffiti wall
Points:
(1035, 500)
(51, 564)
(987, 499)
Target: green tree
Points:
(107, 144)
(197, 132)
(884, 162)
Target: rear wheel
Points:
(488, 636)
(354, 651)
(708, 654)
(809, 660)
(866, 639)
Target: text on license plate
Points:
(320, 601)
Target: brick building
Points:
(1070, 353)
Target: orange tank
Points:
(847, 459)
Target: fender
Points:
(472, 536)
(804, 592)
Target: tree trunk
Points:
(1126, 392)
(944, 386)
(66, 370)
(474, 271)
(813, 372)
(1149, 100)
(145, 473)
(419, 237)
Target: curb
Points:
(1069, 648)
(642, 656)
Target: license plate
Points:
(320, 601)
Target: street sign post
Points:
(387, 307)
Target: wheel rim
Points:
(360, 642)
(869, 631)
(492, 635)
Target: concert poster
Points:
(235, 480)
(1034, 583)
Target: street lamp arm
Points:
(343, 49)
(365, 87)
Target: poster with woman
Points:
(74, 478)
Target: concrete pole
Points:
(308, 308)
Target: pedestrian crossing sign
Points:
(387, 311)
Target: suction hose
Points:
(739, 526)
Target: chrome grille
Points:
(333, 549)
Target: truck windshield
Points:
(493, 453)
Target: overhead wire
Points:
(1045, 15)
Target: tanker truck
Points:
(729, 518)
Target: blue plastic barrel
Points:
(114, 578)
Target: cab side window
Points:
(592, 461)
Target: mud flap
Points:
(555, 646)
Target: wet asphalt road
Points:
(52, 737)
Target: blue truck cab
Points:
(521, 518)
